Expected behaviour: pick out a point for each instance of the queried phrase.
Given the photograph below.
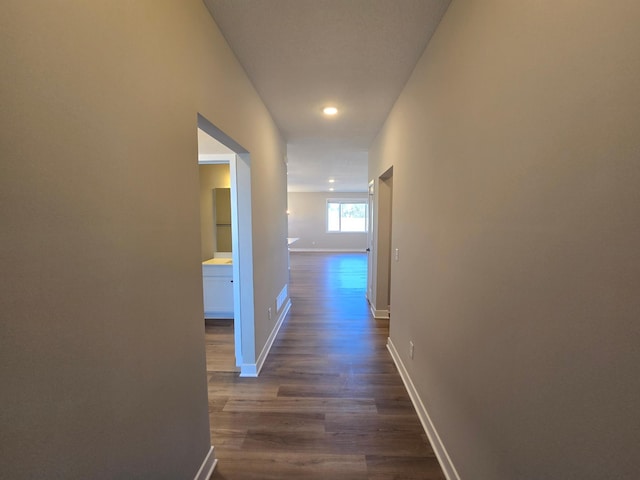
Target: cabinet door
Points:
(218, 297)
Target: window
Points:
(347, 215)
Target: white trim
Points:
(253, 369)
(436, 443)
(242, 253)
(218, 315)
(379, 314)
(328, 250)
(208, 466)
(282, 297)
(249, 370)
(215, 158)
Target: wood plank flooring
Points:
(218, 336)
(329, 403)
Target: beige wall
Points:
(102, 346)
(308, 222)
(211, 176)
(516, 210)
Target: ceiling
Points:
(303, 55)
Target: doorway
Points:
(379, 281)
(217, 148)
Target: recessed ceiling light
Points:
(330, 110)
(331, 189)
(331, 180)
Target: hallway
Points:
(329, 402)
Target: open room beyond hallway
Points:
(329, 402)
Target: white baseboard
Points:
(327, 250)
(253, 369)
(441, 452)
(218, 315)
(380, 314)
(208, 466)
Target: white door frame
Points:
(370, 237)
(381, 258)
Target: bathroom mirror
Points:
(222, 219)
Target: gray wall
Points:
(308, 222)
(516, 209)
(101, 335)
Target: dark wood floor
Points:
(329, 403)
(219, 341)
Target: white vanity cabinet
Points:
(217, 283)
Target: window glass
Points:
(346, 216)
